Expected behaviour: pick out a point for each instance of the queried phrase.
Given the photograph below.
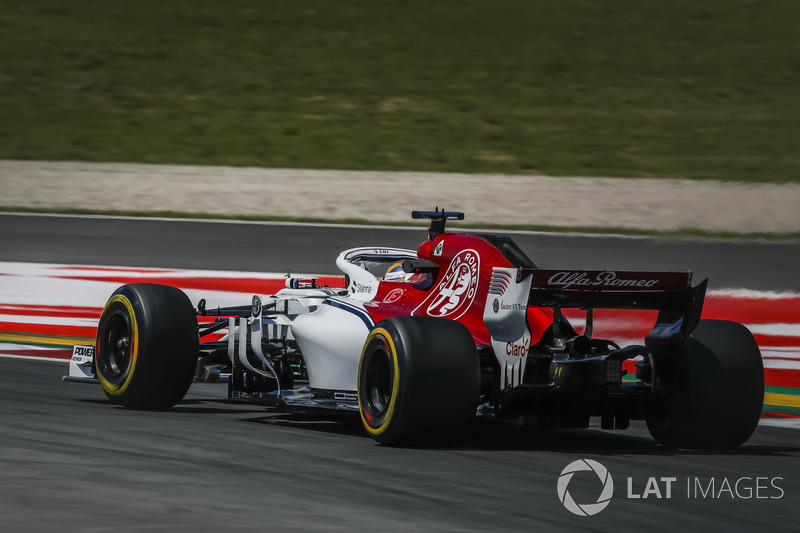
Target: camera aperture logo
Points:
(585, 509)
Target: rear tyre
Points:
(417, 376)
(147, 346)
(720, 390)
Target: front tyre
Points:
(147, 346)
(417, 375)
(720, 390)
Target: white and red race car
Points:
(419, 341)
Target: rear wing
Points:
(610, 289)
(513, 290)
(679, 305)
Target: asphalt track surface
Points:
(71, 461)
(761, 265)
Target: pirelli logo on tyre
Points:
(454, 294)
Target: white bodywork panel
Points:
(331, 340)
(331, 330)
(505, 316)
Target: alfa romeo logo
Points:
(456, 290)
(256, 305)
(585, 509)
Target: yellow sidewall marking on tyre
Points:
(395, 383)
(117, 390)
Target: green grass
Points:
(607, 230)
(679, 88)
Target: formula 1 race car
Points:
(419, 342)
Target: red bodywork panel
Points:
(459, 290)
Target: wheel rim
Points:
(379, 382)
(116, 347)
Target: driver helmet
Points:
(395, 273)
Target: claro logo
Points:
(519, 348)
